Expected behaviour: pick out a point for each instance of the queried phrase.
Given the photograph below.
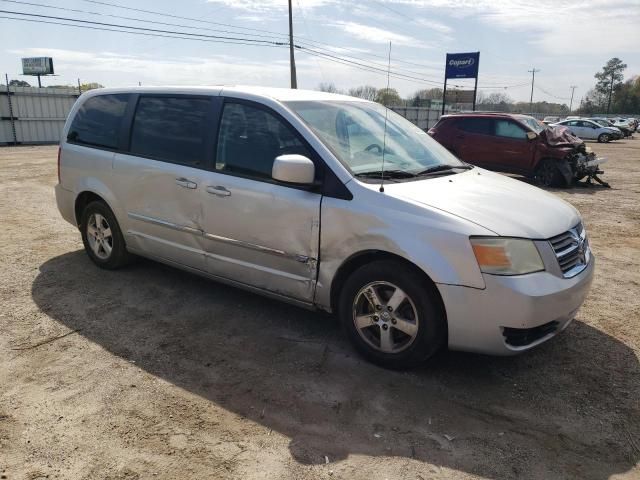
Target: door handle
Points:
(460, 136)
(218, 190)
(183, 182)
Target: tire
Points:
(405, 336)
(548, 174)
(102, 237)
(603, 138)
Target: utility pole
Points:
(610, 92)
(533, 80)
(573, 89)
(292, 60)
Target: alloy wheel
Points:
(385, 317)
(99, 236)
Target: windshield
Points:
(604, 123)
(355, 133)
(533, 124)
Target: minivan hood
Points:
(506, 206)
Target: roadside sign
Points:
(462, 65)
(458, 66)
(37, 66)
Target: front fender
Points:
(434, 241)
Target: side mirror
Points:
(294, 168)
(532, 135)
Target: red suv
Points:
(516, 144)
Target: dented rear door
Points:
(160, 178)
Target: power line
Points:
(197, 36)
(551, 94)
(155, 22)
(177, 35)
(87, 27)
(153, 30)
(269, 35)
(115, 5)
(280, 36)
(373, 67)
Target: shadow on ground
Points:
(567, 409)
(578, 188)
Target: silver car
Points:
(589, 130)
(328, 202)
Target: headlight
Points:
(506, 256)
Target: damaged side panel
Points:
(262, 234)
(163, 218)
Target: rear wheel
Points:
(102, 238)
(392, 314)
(548, 174)
(603, 138)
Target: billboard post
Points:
(461, 65)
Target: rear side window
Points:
(483, 126)
(98, 120)
(173, 129)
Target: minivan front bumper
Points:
(513, 313)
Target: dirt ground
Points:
(150, 372)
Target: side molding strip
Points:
(218, 238)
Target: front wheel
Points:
(392, 314)
(603, 138)
(102, 238)
(548, 174)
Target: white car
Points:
(589, 130)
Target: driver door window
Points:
(251, 138)
(505, 128)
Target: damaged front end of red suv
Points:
(574, 159)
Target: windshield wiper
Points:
(442, 169)
(388, 174)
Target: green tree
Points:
(90, 86)
(627, 96)
(18, 83)
(610, 78)
(419, 98)
(388, 97)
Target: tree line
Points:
(611, 94)
(495, 101)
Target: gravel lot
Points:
(149, 372)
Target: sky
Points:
(567, 41)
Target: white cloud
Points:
(114, 69)
(557, 26)
(434, 25)
(265, 5)
(377, 35)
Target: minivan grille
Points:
(572, 250)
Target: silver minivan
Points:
(328, 202)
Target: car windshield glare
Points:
(354, 131)
(533, 124)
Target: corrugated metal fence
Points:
(30, 115)
(422, 117)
